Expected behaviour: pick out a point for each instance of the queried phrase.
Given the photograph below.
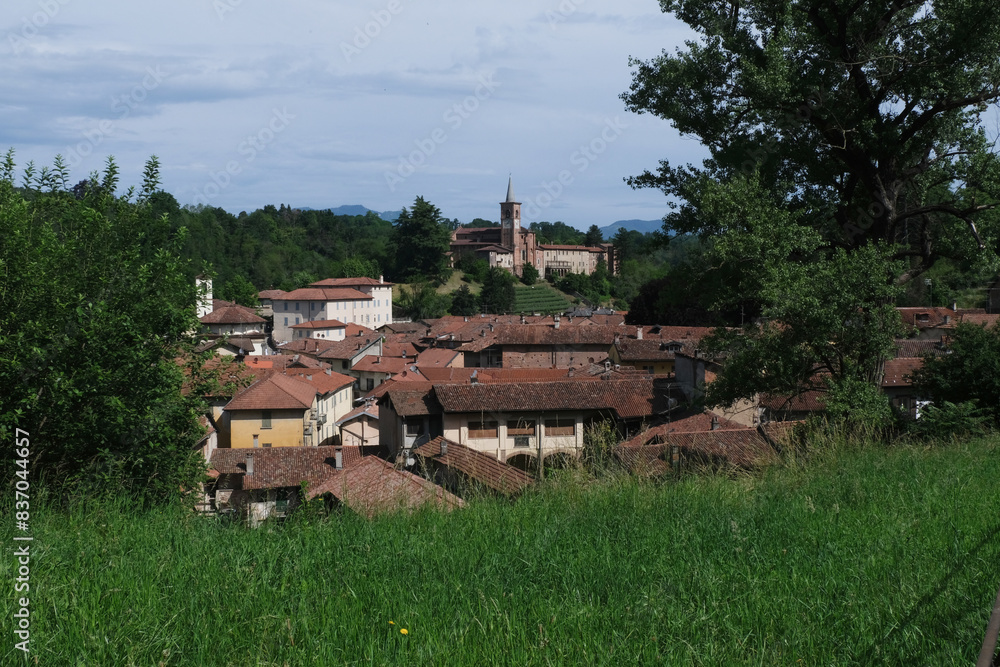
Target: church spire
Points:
(510, 191)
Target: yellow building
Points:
(298, 410)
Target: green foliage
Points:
(529, 274)
(92, 316)
(497, 295)
(969, 373)
(475, 269)
(463, 302)
(951, 420)
(421, 241)
(557, 233)
(539, 298)
(358, 267)
(861, 119)
(239, 290)
(421, 301)
(594, 237)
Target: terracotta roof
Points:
(350, 282)
(412, 398)
(225, 312)
(697, 423)
(585, 248)
(745, 448)
(437, 358)
(918, 348)
(364, 409)
(629, 398)
(324, 294)
(279, 467)
(981, 319)
(323, 381)
(270, 294)
(923, 318)
(320, 324)
(373, 486)
(898, 371)
(806, 402)
(349, 347)
(276, 392)
(647, 350)
(479, 466)
(390, 365)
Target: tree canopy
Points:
(421, 238)
(96, 307)
(863, 118)
(848, 155)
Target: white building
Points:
(361, 301)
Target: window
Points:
(286, 306)
(255, 440)
(286, 319)
(296, 305)
(370, 384)
(521, 427)
(414, 428)
(267, 444)
(557, 427)
(296, 320)
(482, 429)
(265, 419)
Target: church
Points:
(512, 247)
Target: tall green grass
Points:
(865, 555)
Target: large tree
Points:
(420, 238)
(833, 128)
(95, 307)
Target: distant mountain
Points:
(644, 226)
(358, 209)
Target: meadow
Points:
(865, 554)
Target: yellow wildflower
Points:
(392, 623)
(404, 631)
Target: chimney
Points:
(381, 280)
(618, 338)
(444, 447)
(638, 333)
(607, 365)
(338, 460)
(715, 422)
(491, 328)
(466, 318)
(404, 354)
(556, 322)
(328, 371)
(474, 378)
(523, 320)
(482, 333)
(954, 306)
(249, 463)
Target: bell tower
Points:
(510, 220)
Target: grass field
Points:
(866, 556)
(540, 298)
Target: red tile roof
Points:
(270, 294)
(898, 372)
(320, 324)
(628, 398)
(437, 358)
(390, 365)
(324, 294)
(479, 466)
(280, 467)
(350, 282)
(276, 392)
(409, 399)
(918, 348)
(226, 312)
(697, 423)
(323, 381)
(547, 246)
(981, 319)
(745, 448)
(373, 486)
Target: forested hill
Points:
(280, 247)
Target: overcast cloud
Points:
(319, 104)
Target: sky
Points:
(319, 104)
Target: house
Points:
(373, 486)
(515, 422)
(282, 410)
(320, 329)
(261, 483)
(349, 300)
(458, 467)
(234, 328)
(359, 427)
(539, 346)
